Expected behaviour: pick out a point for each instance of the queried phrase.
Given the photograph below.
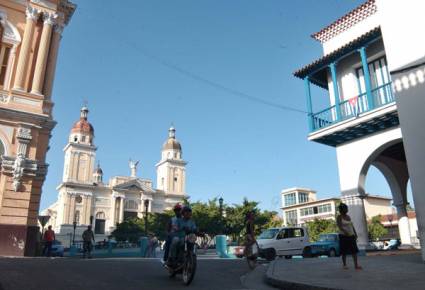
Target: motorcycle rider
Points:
(172, 229)
(185, 225)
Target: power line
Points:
(214, 84)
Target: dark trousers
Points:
(167, 247)
(47, 251)
(87, 247)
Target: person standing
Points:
(88, 238)
(347, 237)
(49, 237)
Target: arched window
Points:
(77, 217)
(100, 215)
(10, 39)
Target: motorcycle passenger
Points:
(172, 229)
(185, 225)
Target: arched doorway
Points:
(390, 160)
(99, 226)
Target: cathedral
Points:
(84, 198)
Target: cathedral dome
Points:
(172, 143)
(82, 125)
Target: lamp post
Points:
(146, 204)
(390, 219)
(220, 202)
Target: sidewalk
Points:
(379, 272)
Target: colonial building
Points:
(361, 120)
(30, 33)
(85, 198)
(300, 205)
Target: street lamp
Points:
(146, 204)
(220, 202)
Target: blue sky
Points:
(148, 64)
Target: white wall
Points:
(402, 27)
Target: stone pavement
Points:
(123, 274)
(379, 272)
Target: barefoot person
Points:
(347, 236)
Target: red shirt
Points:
(49, 235)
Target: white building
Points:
(84, 198)
(300, 205)
(362, 120)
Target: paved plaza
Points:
(379, 272)
(123, 274)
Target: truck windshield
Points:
(268, 234)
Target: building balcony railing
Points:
(351, 108)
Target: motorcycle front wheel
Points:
(189, 268)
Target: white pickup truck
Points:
(284, 242)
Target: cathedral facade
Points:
(84, 198)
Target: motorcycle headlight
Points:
(192, 238)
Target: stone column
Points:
(356, 211)
(43, 52)
(121, 219)
(11, 62)
(32, 15)
(51, 62)
(403, 224)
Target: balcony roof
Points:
(317, 70)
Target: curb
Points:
(278, 282)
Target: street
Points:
(123, 273)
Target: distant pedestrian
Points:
(49, 237)
(347, 237)
(88, 238)
(154, 245)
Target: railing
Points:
(353, 107)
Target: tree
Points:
(320, 226)
(129, 230)
(376, 229)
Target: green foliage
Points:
(320, 226)
(129, 230)
(376, 229)
(209, 218)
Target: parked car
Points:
(57, 249)
(327, 244)
(287, 242)
(392, 245)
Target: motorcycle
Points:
(186, 261)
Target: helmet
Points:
(186, 208)
(177, 207)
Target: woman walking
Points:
(347, 237)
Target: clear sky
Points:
(143, 65)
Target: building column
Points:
(51, 62)
(43, 52)
(32, 15)
(332, 66)
(10, 66)
(356, 211)
(309, 103)
(366, 75)
(403, 224)
(121, 215)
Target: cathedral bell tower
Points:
(171, 170)
(80, 152)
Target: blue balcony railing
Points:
(353, 107)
